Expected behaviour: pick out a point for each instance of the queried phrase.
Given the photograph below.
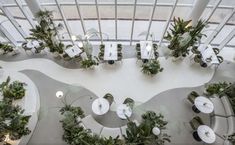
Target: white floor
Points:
(123, 80)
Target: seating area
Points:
(90, 123)
(117, 72)
(222, 119)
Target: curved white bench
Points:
(231, 124)
(220, 125)
(90, 123)
(227, 106)
(219, 109)
(113, 132)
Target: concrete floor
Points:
(49, 131)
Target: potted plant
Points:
(46, 32)
(5, 48)
(13, 122)
(142, 134)
(182, 36)
(89, 62)
(151, 67)
(14, 90)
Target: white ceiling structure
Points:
(119, 20)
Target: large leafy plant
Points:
(182, 36)
(223, 89)
(14, 90)
(152, 67)
(6, 48)
(89, 62)
(217, 88)
(75, 134)
(13, 123)
(142, 134)
(47, 32)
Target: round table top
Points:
(100, 106)
(206, 134)
(123, 110)
(204, 105)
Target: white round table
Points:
(204, 105)
(206, 134)
(123, 110)
(100, 106)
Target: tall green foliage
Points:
(142, 134)
(152, 67)
(182, 36)
(12, 120)
(6, 48)
(47, 32)
(76, 134)
(14, 90)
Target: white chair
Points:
(90, 123)
(113, 132)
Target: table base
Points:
(194, 108)
(196, 136)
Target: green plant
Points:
(89, 62)
(15, 90)
(46, 32)
(152, 67)
(223, 89)
(17, 127)
(142, 134)
(12, 121)
(6, 48)
(217, 88)
(75, 134)
(76, 111)
(231, 138)
(182, 36)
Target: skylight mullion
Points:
(80, 15)
(98, 17)
(151, 19)
(133, 22)
(64, 20)
(168, 22)
(27, 16)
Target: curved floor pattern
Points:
(122, 80)
(49, 129)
